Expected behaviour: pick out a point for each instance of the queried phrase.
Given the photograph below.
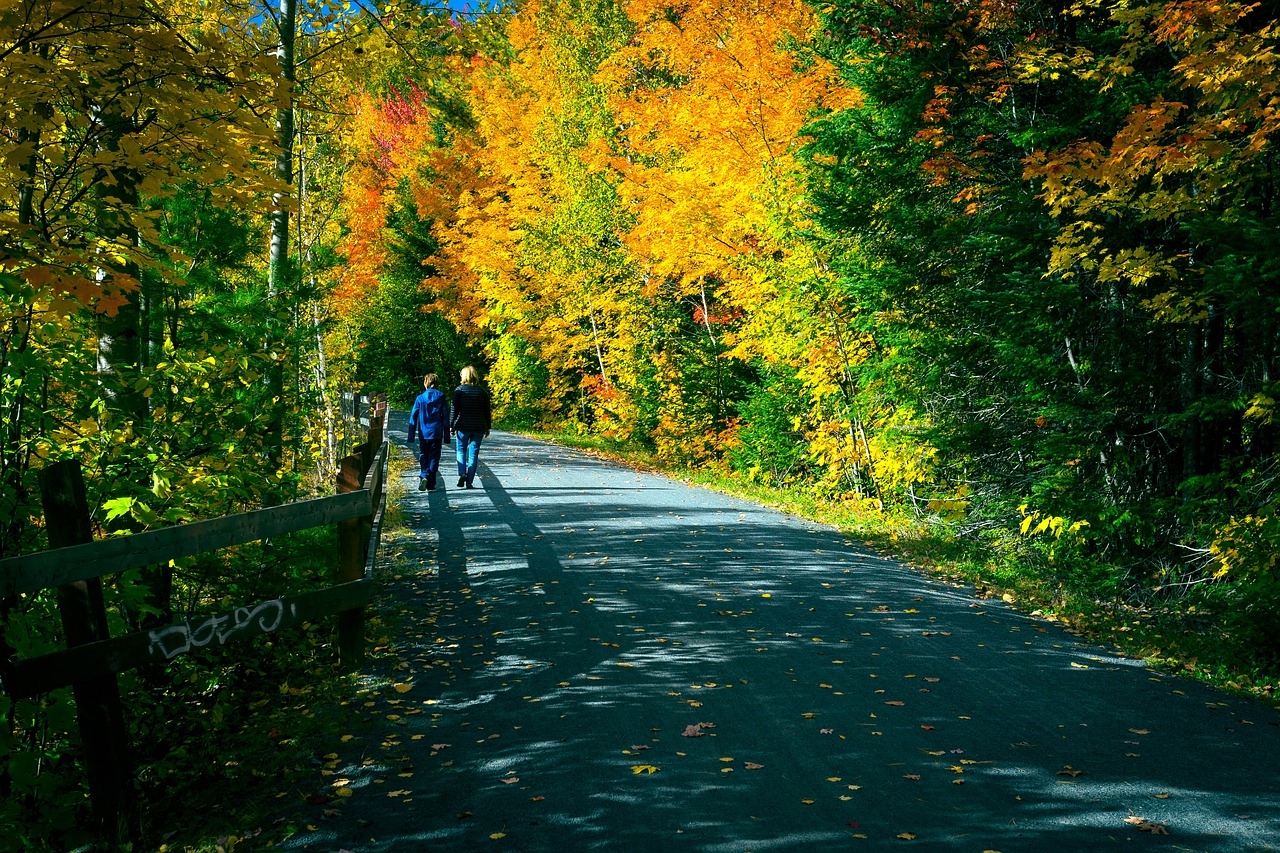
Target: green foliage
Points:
(401, 334)
(769, 446)
(519, 382)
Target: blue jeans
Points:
(468, 448)
(429, 459)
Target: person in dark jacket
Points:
(429, 424)
(471, 422)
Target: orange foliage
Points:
(1209, 140)
(388, 138)
(712, 105)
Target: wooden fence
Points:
(76, 563)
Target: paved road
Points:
(598, 659)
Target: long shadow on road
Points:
(595, 658)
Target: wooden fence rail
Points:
(75, 566)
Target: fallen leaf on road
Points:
(694, 730)
(905, 836)
(1140, 731)
(1069, 771)
(1147, 825)
(826, 731)
(895, 702)
(751, 765)
(644, 768)
(510, 781)
(496, 835)
(914, 777)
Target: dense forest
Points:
(1012, 268)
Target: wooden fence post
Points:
(351, 558)
(84, 620)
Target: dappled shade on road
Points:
(591, 657)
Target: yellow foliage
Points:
(1035, 523)
(1246, 546)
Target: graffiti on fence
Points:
(263, 618)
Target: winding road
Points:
(595, 658)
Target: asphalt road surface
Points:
(593, 658)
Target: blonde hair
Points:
(429, 381)
(470, 376)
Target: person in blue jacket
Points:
(472, 420)
(429, 424)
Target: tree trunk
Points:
(119, 331)
(279, 253)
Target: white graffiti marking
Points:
(179, 639)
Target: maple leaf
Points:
(751, 765)
(644, 768)
(694, 730)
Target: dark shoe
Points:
(470, 485)
(422, 485)
(462, 481)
